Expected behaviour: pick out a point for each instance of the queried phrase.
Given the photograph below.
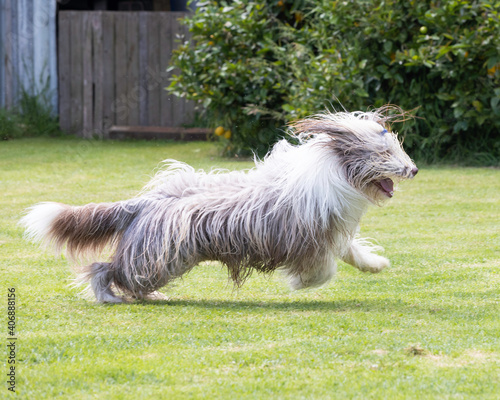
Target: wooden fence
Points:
(112, 71)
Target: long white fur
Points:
(39, 219)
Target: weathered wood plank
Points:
(39, 56)
(64, 58)
(2, 53)
(2, 58)
(153, 85)
(108, 70)
(88, 79)
(76, 41)
(10, 48)
(134, 91)
(51, 10)
(177, 103)
(143, 103)
(26, 44)
(5, 87)
(120, 103)
(165, 55)
(98, 73)
(15, 59)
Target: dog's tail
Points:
(83, 230)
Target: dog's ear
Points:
(316, 125)
(347, 131)
(342, 126)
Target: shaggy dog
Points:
(297, 211)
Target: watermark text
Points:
(11, 339)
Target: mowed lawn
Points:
(427, 327)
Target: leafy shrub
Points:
(10, 125)
(439, 55)
(37, 116)
(32, 117)
(229, 66)
(256, 65)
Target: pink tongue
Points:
(387, 185)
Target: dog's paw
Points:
(295, 282)
(375, 264)
(155, 296)
(111, 299)
(312, 279)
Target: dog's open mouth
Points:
(386, 186)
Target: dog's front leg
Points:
(321, 270)
(360, 255)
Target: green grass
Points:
(427, 327)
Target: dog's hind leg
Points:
(100, 276)
(360, 255)
(146, 287)
(319, 273)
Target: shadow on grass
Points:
(294, 305)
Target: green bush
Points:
(256, 65)
(37, 116)
(229, 67)
(32, 117)
(10, 125)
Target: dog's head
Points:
(371, 156)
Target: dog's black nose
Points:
(414, 171)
